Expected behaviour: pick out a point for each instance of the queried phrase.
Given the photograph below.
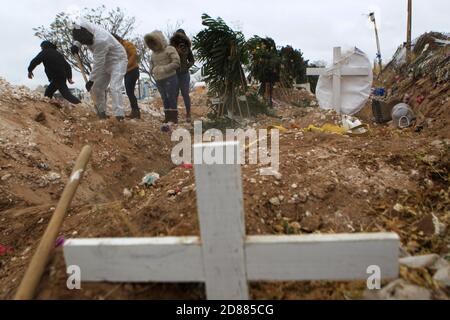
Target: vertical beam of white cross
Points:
(222, 222)
(224, 257)
(338, 71)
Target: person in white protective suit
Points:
(109, 67)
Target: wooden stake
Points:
(30, 281)
(409, 31)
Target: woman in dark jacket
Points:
(182, 43)
(57, 70)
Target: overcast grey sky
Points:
(313, 26)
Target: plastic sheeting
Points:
(355, 90)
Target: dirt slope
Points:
(390, 180)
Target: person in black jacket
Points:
(57, 70)
(183, 44)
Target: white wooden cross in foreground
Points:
(224, 257)
(338, 71)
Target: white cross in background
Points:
(338, 71)
(225, 258)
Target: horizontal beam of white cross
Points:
(338, 71)
(224, 257)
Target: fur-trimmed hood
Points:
(180, 38)
(156, 41)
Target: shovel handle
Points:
(80, 66)
(36, 269)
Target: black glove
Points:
(89, 85)
(75, 50)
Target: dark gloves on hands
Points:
(89, 85)
(75, 50)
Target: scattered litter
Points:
(173, 193)
(442, 42)
(354, 125)
(328, 128)
(150, 179)
(43, 166)
(4, 250)
(420, 99)
(379, 92)
(127, 193)
(166, 128)
(52, 176)
(60, 242)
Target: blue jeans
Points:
(168, 88)
(184, 80)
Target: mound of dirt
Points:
(389, 180)
(39, 141)
(425, 80)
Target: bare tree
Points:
(144, 56)
(171, 28)
(60, 31)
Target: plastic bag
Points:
(150, 179)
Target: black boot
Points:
(166, 117)
(174, 116)
(135, 114)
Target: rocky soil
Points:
(389, 180)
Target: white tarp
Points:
(355, 90)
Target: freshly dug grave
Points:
(390, 180)
(328, 184)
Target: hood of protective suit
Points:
(109, 55)
(156, 41)
(100, 34)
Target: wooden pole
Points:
(380, 61)
(83, 73)
(33, 275)
(409, 32)
(80, 66)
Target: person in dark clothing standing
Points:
(57, 69)
(183, 44)
(132, 75)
